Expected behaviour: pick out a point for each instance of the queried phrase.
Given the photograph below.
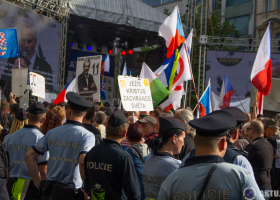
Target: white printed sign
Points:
(37, 84)
(19, 81)
(24, 101)
(135, 93)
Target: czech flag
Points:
(226, 93)
(205, 102)
(71, 87)
(172, 31)
(261, 71)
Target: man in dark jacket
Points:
(111, 175)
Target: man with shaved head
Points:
(261, 154)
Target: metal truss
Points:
(62, 54)
(202, 47)
(238, 42)
(51, 7)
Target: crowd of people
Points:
(80, 150)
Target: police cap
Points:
(238, 114)
(77, 102)
(168, 123)
(272, 123)
(117, 119)
(215, 124)
(37, 108)
(21, 115)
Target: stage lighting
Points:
(130, 51)
(123, 52)
(72, 44)
(80, 45)
(110, 50)
(89, 47)
(99, 48)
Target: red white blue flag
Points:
(226, 93)
(172, 31)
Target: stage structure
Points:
(205, 39)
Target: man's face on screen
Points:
(28, 42)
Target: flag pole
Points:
(240, 101)
(19, 65)
(192, 79)
(185, 97)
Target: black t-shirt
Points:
(109, 166)
(276, 172)
(261, 158)
(188, 147)
(95, 131)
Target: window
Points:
(158, 2)
(217, 4)
(267, 5)
(236, 2)
(241, 24)
(277, 44)
(148, 2)
(278, 4)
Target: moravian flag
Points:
(158, 91)
(8, 43)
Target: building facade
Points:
(268, 10)
(239, 12)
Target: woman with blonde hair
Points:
(19, 122)
(59, 111)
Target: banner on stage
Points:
(88, 73)
(24, 101)
(37, 84)
(19, 81)
(135, 93)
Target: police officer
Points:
(4, 165)
(271, 129)
(162, 163)
(18, 143)
(67, 146)
(232, 155)
(109, 170)
(207, 176)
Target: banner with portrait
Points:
(39, 43)
(108, 76)
(88, 77)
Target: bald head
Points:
(258, 127)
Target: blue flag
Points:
(8, 43)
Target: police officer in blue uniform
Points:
(67, 146)
(232, 155)
(109, 170)
(18, 143)
(207, 175)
